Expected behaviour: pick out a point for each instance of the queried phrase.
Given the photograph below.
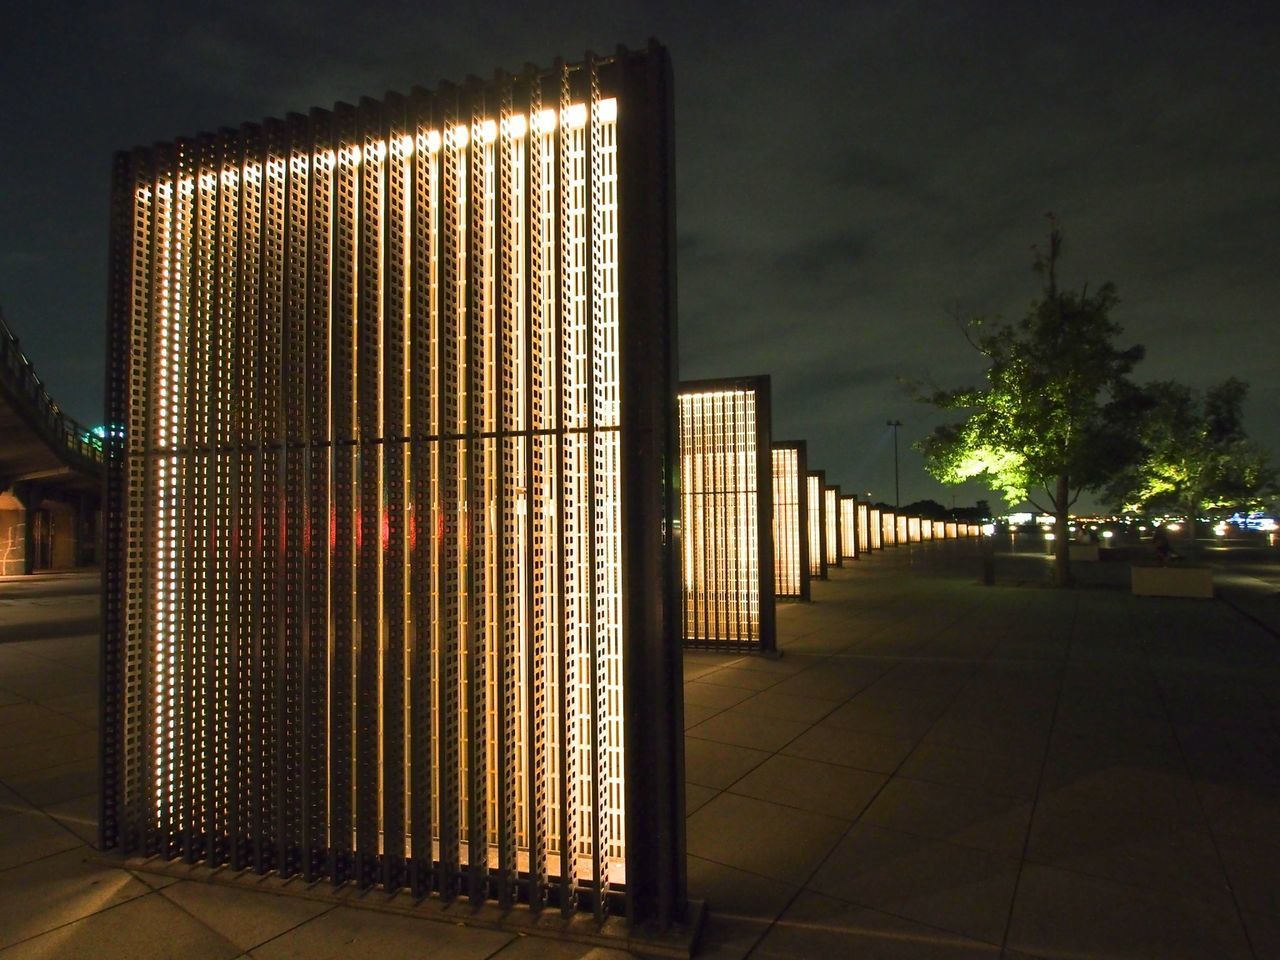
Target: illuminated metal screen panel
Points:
(863, 535)
(974, 530)
(952, 531)
(849, 527)
(831, 525)
(817, 524)
(790, 518)
(913, 529)
(902, 529)
(389, 597)
(926, 529)
(726, 514)
(939, 530)
(875, 532)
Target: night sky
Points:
(847, 175)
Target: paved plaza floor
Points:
(934, 769)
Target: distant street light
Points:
(897, 499)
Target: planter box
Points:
(1083, 551)
(1172, 580)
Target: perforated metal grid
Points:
(875, 532)
(790, 519)
(816, 522)
(849, 527)
(726, 514)
(389, 553)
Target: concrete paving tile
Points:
(741, 907)
(694, 714)
(1122, 795)
(867, 717)
(56, 784)
(247, 918)
(696, 795)
(820, 926)
(543, 948)
(772, 703)
(57, 890)
(697, 663)
(20, 757)
(146, 927)
(79, 815)
(836, 680)
(764, 838)
(1240, 811)
(1010, 734)
(711, 763)
(866, 751)
(811, 785)
(1176, 859)
(1000, 774)
(1264, 933)
(41, 726)
(704, 694)
(744, 727)
(963, 817)
(346, 932)
(954, 888)
(741, 676)
(1254, 871)
(1057, 913)
(31, 835)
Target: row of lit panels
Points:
(366, 602)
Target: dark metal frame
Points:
(268, 660)
(736, 636)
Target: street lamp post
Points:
(897, 500)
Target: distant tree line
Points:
(1058, 416)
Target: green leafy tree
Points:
(1194, 456)
(1055, 415)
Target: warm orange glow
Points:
(417, 214)
(816, 523)
(719, 510)
(788, 523)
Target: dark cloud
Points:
(847, 173)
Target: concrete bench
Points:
(1172, 580)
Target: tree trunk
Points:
(1061, 535)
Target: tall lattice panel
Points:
(726, 514)
(849, 527)
(790, 534)
(875, 535)
(831, 525)
(390, 583)
(816, 521)
(862, 537)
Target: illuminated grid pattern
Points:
(926, 528)
(952, 530)
(817, 523)
(790, 517)
(874, 532)
(849, 527)
(386, 579)
(863, 526)
(726, 514)
(913, 529)
(901, 533)
(939, 530)
(831, 525)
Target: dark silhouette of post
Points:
(897, 501)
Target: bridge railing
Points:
(20, 378)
